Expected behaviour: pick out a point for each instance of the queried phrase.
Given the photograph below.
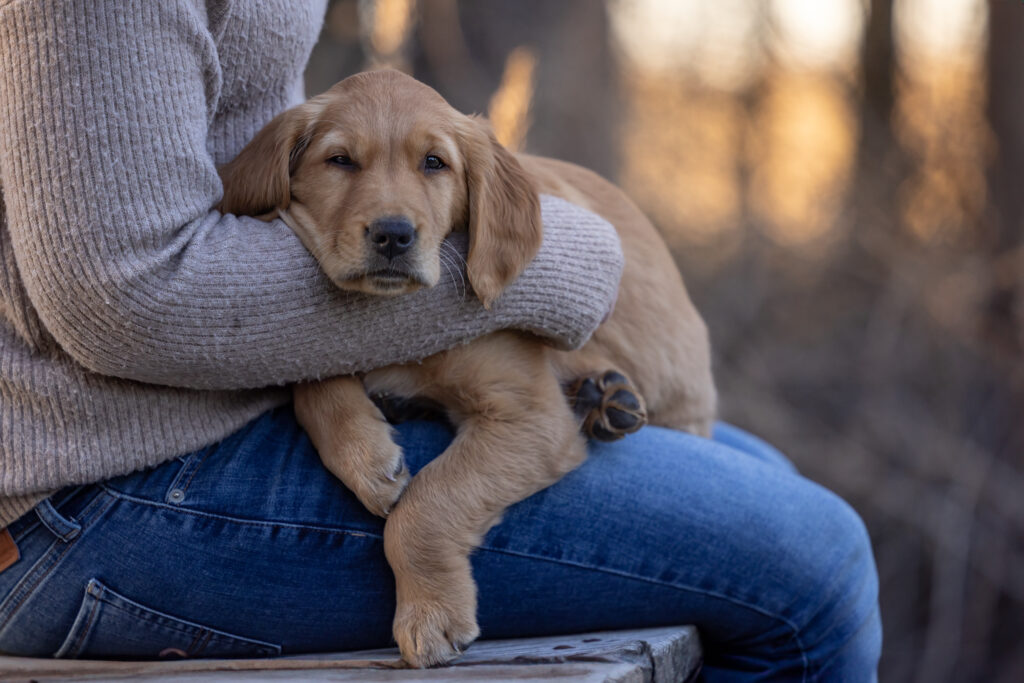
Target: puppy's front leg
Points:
(354, 440)
(515, 437)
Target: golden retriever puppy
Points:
(372, 175)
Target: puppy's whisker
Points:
(449, 249)
(457, 262)
(460, 284)
(453, 269)
(444, 262)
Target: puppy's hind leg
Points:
(693, 415)
(607, 404)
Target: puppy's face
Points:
(374, 173)
(379, 185)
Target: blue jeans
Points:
(250, 547)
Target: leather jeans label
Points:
(8, 550)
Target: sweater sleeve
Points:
(108, 184)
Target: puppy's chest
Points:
(400, 382)
(399, 394)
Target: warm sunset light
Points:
(509, 109)
(708, 363)
(714, 41)
(685, 149)
(801, 153)
(940, 117)
(392, 20)
(815, 34)
(940, 28)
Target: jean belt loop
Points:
(62, 527)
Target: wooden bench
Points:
(657, 655)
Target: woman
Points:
(156, 490)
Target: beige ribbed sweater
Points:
(136, 324)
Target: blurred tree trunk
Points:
(462, 47)
(877, 61)
(338, 53)
(880, 159)
(1006, 116)
(1005, 314)
(1003, 323)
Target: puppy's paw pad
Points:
(609, 406)
(433, 634)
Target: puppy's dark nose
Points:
(391, 236)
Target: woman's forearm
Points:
(108, 181)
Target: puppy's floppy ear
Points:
(504, 212)
(257, 181)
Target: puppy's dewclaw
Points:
(399, 469)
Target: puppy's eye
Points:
(343, 161)
(433, 163)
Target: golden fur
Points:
(356, 154)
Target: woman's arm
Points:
(108, 184)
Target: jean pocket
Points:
(111, 626)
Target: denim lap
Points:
(250, 547)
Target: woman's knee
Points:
(838, 623)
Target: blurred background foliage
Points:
(840, 184)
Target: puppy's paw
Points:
(608, 405)
(434, 633)
(380, 485)
(371, 466)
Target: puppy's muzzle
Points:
(391, 236)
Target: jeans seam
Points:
(792, 626)
(201, 634)
(239, 520)
(193, 470)
(200, 642)
(29, 589)
(367, 534)
(65, 527)
(823, 666)
(35, 517)
(53, 560)
(80, 640)
(197, 631)
(189, 469)
(28, 529)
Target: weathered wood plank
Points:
(582, 672)
(657, 655)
